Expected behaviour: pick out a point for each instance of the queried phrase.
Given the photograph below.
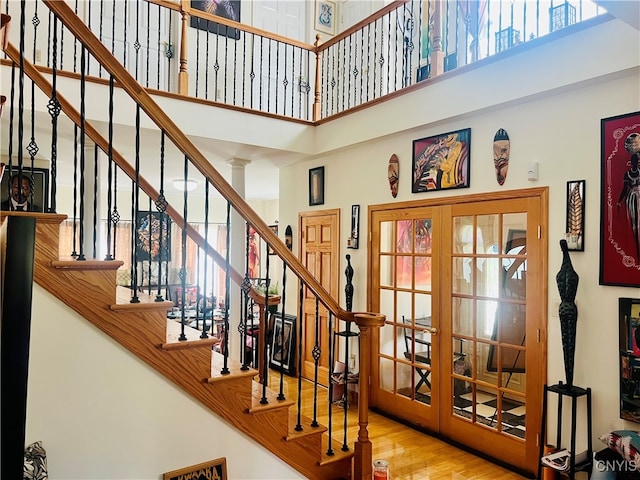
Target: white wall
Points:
(102, 413)
(550, 101)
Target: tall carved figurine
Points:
(348, 288)
(567, 280)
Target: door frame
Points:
(536, 326)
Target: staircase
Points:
(89, 287)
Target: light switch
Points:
(532, 171)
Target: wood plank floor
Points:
(412, 455)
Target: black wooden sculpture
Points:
(567, 280)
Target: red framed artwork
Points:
(620, 201)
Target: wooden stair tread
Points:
(272, 400)
(307, 429)
(193, 337)
(146, 302)
(71, 263)
(235, 369)
(338, 453)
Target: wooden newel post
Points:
(363, 454)
(317, 111)
(183, 76)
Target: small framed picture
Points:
(574, 231)
(274, 229)
(214, 469)
(316, 186)
(326, 16)
(352, 241)
(282, 351)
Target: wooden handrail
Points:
(160, 118)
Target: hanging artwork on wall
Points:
(620, 201)
(574, 231)
(316, 186)
(229, 9)
(501, 152)
(153, 237)
(629, 323)
(352, 241)
(393, 173)
(326, 16)
(253, 268)
(214, 469)
(441, 162)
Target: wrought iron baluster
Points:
(115, 216)
(183, 267)
(169, 55)
(261, 74)
(264, 365)
(269, 76)
(227, 287)
(95, 201)
(110, 168)
(246, 287)
(226, 62)
(348, 69)
(100, 36)
(149, 42)
(235, 70)
(165, 225)
(54, 109)
(83, 67)
(206, 262)
(316, 353)
(198, 57)
(283, 355)
(299, 427)
(74, 253)
(332, 352)
(216, 65)
(136, 44)
(135, 201)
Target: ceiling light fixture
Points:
(182, 184)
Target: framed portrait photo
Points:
(441, 162)
(38, 178)
(619, 208)
(325, 15)
(316, 186)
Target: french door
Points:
(463, 286)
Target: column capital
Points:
(238, 162)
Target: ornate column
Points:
(236, 253)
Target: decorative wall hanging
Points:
(574, 232)
(393, 172)
(38, 180)
(229, 9)
(288, 237)
(620, 201)
(629, 324)
(501, 151)
(214, 469)
(274, 229)
(153, 237)
(326, 16)
(352, 241)
(316, 186)
(441, 162)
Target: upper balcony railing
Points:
(169, 46)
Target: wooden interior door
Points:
(319, 252)
(480, 309)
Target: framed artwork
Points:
(574, 231)
(213, 469)
(352, 241)
(253, 268)
(441, 162)
(629, 330)
(35, 180)
(153, 237)
(620, 209)
(325, 16)
(229, 9)
(316, 186)
(274, 229)
(282, 351)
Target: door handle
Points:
(432, 330)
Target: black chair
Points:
(422, 352)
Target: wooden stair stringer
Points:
(143, 330)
